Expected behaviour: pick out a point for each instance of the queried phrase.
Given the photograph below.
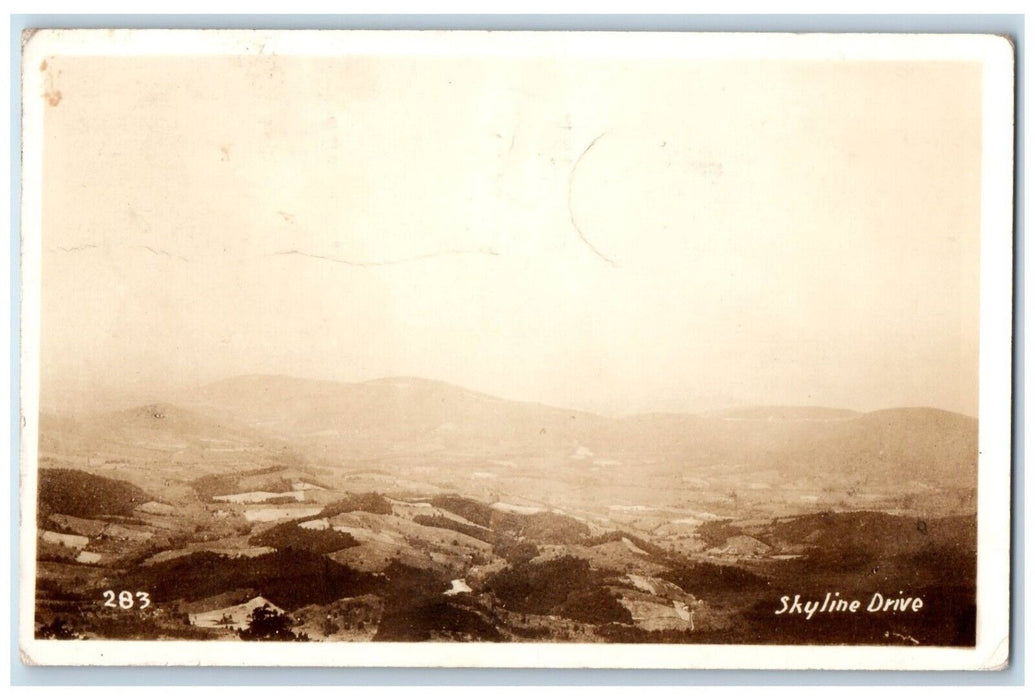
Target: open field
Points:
(681, 529)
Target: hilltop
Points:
(409, 417)
(408, 509)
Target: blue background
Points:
(1009, 25)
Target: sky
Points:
(635, 234)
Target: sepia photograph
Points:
(456, 348)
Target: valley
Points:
(410, 510)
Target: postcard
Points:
(516, 349)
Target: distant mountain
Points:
(686, 403)
(397, 414)
(786, 413)
(916, 444)
(419, 418)
(152, 430)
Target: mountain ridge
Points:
(401, 380)
(413, 418)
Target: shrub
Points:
(266, 624)
(57, 629)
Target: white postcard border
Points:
(994, 464)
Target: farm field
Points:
(681, 529)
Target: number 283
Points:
(127, 600)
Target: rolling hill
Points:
(405, 509)
(156, 431)
(409, 417)
(395, 415)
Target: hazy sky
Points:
(572, 231)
